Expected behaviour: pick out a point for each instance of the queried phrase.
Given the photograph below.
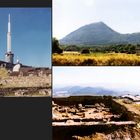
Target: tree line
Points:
(117, 48)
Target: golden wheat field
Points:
(96, 59)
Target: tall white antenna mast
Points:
(9, 35)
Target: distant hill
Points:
(98, 34)
(78, 90)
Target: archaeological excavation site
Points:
(94, 118)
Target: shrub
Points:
(85, 51)
(55, 46)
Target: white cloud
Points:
(112, 77)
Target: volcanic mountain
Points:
(98, 34)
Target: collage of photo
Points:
(79, 62)
(96, 59)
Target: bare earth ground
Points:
(131, 107)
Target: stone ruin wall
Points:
(26, 81)
(107, 100)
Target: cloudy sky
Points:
(120, 78)
(121, 15)
(31, 35)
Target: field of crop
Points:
(96, 59)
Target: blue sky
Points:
(121, 15)
(120, 78)
(31, 35)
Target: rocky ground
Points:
(25, 92)
(24, 85)
(26, 81)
